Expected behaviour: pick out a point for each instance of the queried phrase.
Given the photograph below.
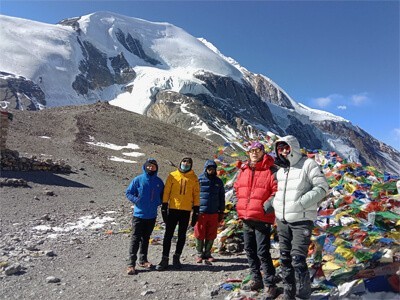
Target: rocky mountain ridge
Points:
(132, 67)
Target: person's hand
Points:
(195, 215)
(164, 212)
(268, 208)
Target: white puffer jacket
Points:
(300, 187)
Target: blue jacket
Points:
(145, 192)
(212, 192)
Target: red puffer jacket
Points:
(253, 187)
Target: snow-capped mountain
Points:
(159, 70)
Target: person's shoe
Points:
(176, 262)
(199, 259)
(145, 265)
(270, 292)
(211, 259)
(163, 265)
(131, 271)
(253, 286)
(207, 262)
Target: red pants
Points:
(206, 227)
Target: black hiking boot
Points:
(176, 262)
(163, 265)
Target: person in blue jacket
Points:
(145, 192)
(212, 206)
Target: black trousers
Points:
(180, 218)
(257, 243)
(294, 239)
(141, 232)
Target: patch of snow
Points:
(113, 146)
(84, 222)
(316, 114)
(133, 154)
(344, 151)
(119, 159)
(395, 164)
(150, 81)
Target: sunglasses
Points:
(255, 150)
(282, 148)
(186, 161)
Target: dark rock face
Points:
(233, 99)
(371, 150)
(231, 104)
(305, 133)
(123, 73)
(134, 46)
(95, 73)
(94, 69)
(73, 22)
(81, 85)
(70, 22)
(20, 93)
(167, 108)
(268, 92)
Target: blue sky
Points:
(338, 56)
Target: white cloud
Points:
(396, 132)
(353, 100)
(326, 101)
(359, 99)
(323, 101)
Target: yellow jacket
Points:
(182, 190)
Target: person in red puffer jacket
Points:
(254, 186)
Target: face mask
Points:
(185, 167)
(151, 173)
(210, 173)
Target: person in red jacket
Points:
(254, 186)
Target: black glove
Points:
(268, 208)
(164, 212)
(220, 217)
(195, 215)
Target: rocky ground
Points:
(64, 235)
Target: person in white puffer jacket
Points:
(301, 186)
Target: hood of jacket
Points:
(209, 163)
(295, 153)
(191, 164)
(144, 167)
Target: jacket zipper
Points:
(182, 190)
(251, 187)
(152, 190)
(284, 191)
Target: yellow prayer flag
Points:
(346, 253)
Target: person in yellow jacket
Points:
(181, 196)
